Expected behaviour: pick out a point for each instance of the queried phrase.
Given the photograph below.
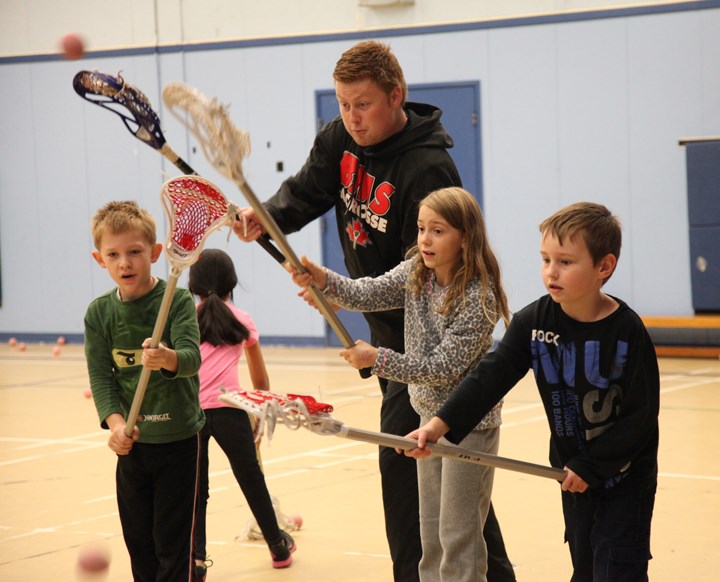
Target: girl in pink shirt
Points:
(225, 332)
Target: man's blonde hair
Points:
(119, 217)
(371, 60)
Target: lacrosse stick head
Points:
(224, 145)
(123, 99)
(195, 207)
(292, 410)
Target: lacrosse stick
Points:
(133, 107)
(225, 146)
(194, 208)
(295, 411)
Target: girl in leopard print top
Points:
(450, 288)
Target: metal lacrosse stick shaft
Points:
(292, 412)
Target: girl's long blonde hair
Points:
(461, 211)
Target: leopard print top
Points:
(439, 350)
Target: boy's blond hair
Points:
(371, 60)
(119, 217)
(593, 223)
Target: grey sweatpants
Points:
(454, 501)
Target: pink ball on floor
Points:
(87, 393)
(56, 350)
(93, 559)
(297, 520)
(13, 342)
(22, 347)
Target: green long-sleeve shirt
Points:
(114, 333)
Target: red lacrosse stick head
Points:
(194, 207)
(312, 405)
(262, 396)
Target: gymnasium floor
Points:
(57, 478)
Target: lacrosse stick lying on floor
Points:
(295, 411)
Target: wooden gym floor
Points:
(57, 478)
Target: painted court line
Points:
(693, 384)
(688, 476)
(366, 555)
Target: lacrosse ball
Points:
(297, 520)
(93, 559)
(56, 350)
(72, 46)
(12, 342)
(87, 393)
(61, 340)
(22, 347)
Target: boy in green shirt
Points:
(157, 466)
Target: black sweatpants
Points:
(156, 488)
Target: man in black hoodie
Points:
(373, 164)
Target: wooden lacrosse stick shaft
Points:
(453, 452)
(154, 343)
(277, 235)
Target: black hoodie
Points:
(375, 192)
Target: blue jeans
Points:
(608, 531)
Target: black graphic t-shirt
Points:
(375, 192)
(598, 381)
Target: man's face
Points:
(369, 114)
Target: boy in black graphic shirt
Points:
(597, 374)
(373, 164)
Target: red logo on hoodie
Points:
(361, 186)
(357, 233)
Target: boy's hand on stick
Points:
(426, 435)
(119, 442)
(574, 483)
(160, 358)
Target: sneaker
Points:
(201, 570)
(282, 552)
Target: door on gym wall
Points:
(460, 103)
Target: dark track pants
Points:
(608, 531)
(156, 487)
